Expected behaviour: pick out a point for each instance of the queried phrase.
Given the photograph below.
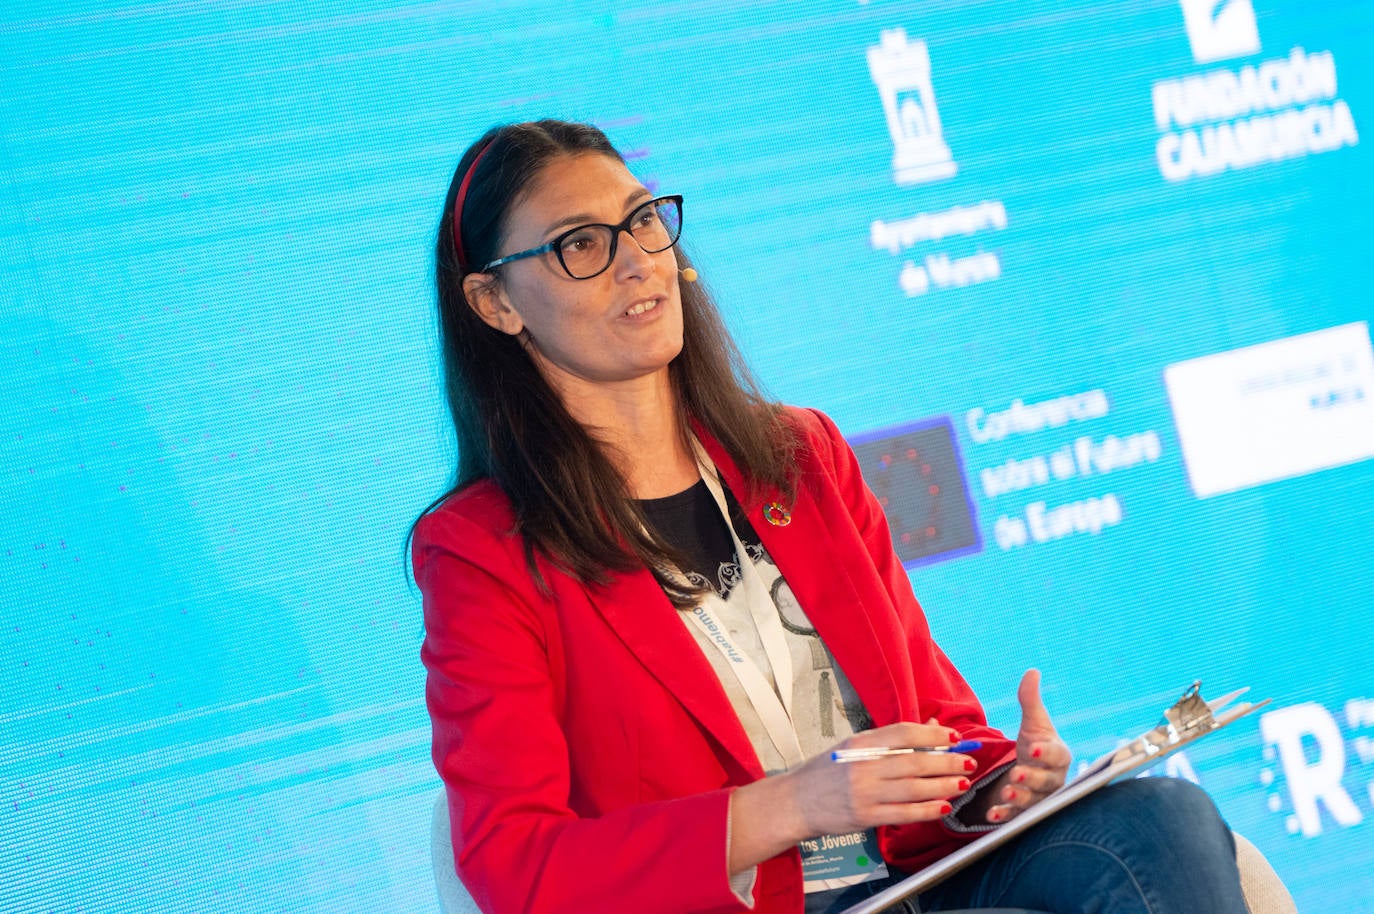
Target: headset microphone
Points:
(688, 275)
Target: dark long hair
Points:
(570, 502)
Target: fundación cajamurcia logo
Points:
(1220, 29)
(900, 68)
(1228, 118)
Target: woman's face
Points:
(618, 326)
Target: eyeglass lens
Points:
(587, 251)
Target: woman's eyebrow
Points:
(583, 218)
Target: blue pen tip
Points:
(968, 745)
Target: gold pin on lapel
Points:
(776, 514)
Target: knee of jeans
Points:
(1182, 807)
(1184, 797)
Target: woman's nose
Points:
(630, 258)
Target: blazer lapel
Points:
(857, 630)
(636, 609)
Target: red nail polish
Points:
(946, 809)
(995, 816)
(1021, 777)
(1035, 753)
(954, 738)
(970, 765)
(964, 784)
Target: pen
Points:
(861, 755)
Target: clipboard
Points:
(1188, 719)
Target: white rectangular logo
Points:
(1218, 29)
(1276, 410)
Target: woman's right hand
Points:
(825, 797)
(838, 797)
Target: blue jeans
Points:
(1146, 846)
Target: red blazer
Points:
(587, 745)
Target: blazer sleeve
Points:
(941, 692)
(494, 704)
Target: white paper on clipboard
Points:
(1185, 721)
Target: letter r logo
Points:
(1312, 753)
(1218, 29)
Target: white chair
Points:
(453, 898)
(1264, 892)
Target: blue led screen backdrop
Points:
(1086, 284)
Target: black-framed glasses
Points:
(587, 250)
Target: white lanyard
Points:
(774, 708)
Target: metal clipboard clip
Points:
(1188, 718)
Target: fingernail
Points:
(1021, 777)
(970, 765)
(1035, 753)
(964, 784)
(995, 816)
(954, 738)
(946, 809)
(1010, 794)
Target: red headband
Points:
(458, 206)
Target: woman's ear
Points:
(487, 298)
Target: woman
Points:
(655, 602)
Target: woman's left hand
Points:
(1042, 758)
